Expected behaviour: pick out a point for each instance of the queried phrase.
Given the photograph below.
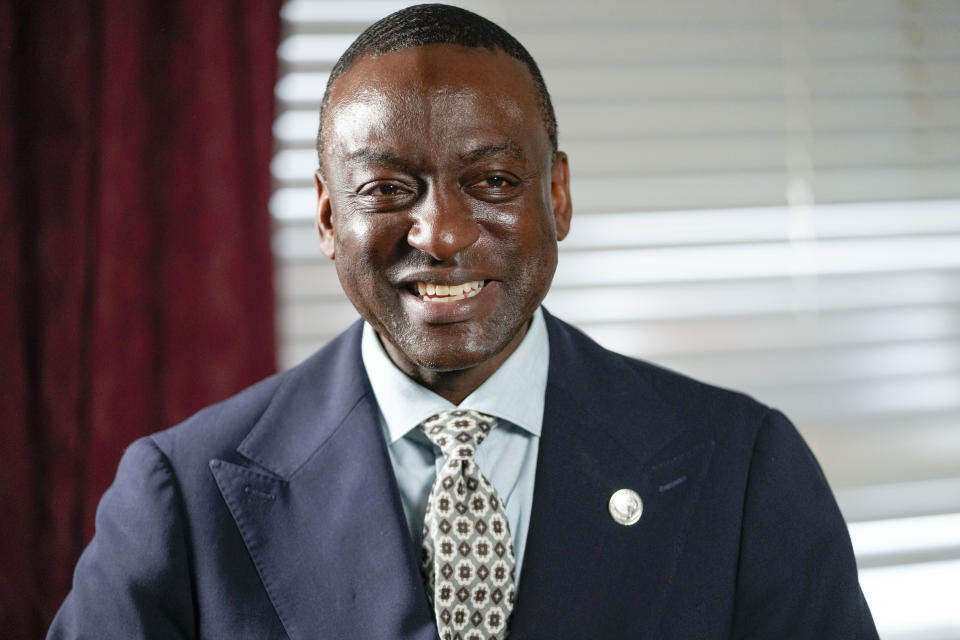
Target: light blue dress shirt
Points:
(507, 457)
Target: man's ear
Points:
(325, 218)
(560, 194)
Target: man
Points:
(462, 462)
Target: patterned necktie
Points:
(468, 561)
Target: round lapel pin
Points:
(626, 507)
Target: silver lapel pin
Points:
(626, 507)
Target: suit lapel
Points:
(603, 430)
(320, 512)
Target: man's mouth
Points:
(448, 292)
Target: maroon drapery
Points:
(136, 279)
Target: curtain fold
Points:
(135, 141)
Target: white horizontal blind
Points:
(766, 196)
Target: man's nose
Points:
(443, 225)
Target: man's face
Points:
(438, 172)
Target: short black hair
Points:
(425, 24)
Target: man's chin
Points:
(455, 358)
(451, 348)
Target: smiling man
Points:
(442, 198)
(460, 463)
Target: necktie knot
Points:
(458, 433)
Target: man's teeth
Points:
(448, 292)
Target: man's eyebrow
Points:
(508, 148)
(366, 155)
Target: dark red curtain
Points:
(136, 280)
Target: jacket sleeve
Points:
(133, 580)
(797, 574)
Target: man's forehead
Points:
(432, 90)
(438, 72)
(435, 62)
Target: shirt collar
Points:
(515, 392)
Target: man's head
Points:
(439, 171)
(425, 24)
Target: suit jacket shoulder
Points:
(219, 430)
(659, 397)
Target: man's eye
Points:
(385, 195)
(383, 189)
(495, 187)
(496, 183)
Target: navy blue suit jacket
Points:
(276, 514)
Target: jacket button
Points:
(626, 507)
